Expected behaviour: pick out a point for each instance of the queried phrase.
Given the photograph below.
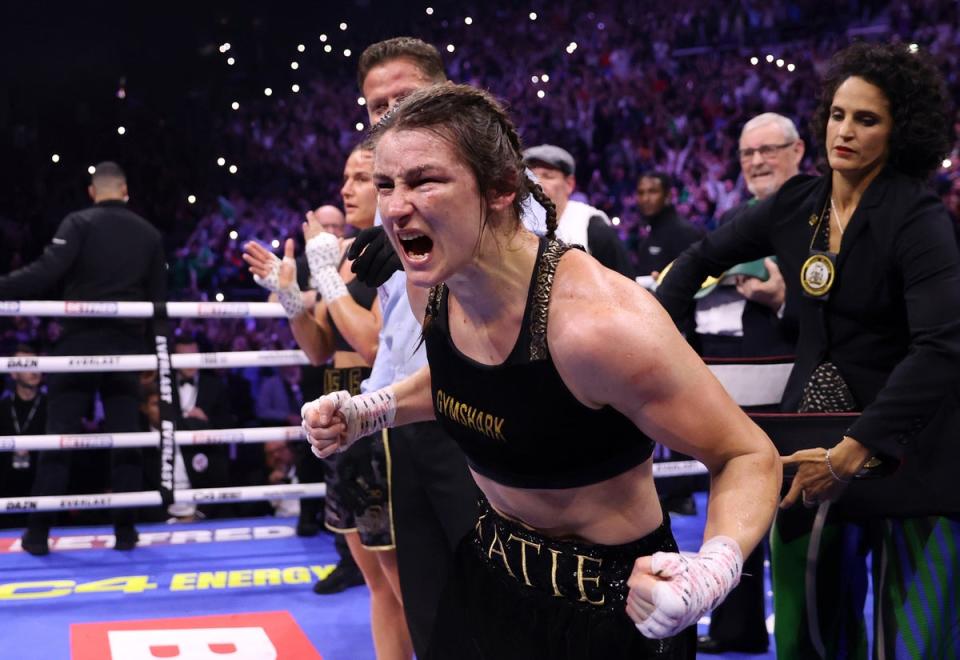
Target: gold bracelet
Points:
(833, 472)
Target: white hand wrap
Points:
(289, 297)
(363, 414)
(323, 257)
(694, 585)
(272, 281)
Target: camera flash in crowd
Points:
(233, 169)
(55, 158)
(191, 199)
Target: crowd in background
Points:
(664, 87)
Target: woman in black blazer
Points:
(873, 277)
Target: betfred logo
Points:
(250, 636)
(89, 308)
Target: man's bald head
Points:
(331, 219)
(108, 182)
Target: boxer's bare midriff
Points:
(619, 510)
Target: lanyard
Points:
(30, 415)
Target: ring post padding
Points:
(169, 410)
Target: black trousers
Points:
(434, 506)
(70, 398)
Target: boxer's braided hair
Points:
(480, 131)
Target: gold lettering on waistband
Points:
(503, 554)
(581, 578)
(469, 416)
(480, 527)
(355, 377)
(332, 380)
(553, 571)
(523, 555)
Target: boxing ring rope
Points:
(141, 310)
(86, 363)
(748, 385)
(148, 439)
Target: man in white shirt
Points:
(578, 223)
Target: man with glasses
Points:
(739, 316)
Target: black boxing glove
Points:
(374, 259)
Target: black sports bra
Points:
(517, 422)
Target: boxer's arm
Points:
(414, 398)
(614, 345)
(334, 421)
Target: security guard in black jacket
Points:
(103, 253)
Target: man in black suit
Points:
(103, 253)
(203, 405)
(741, 313)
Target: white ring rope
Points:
(220, 495)
(54, 364)
(140, 310)
(147, 439)
(152, 498)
